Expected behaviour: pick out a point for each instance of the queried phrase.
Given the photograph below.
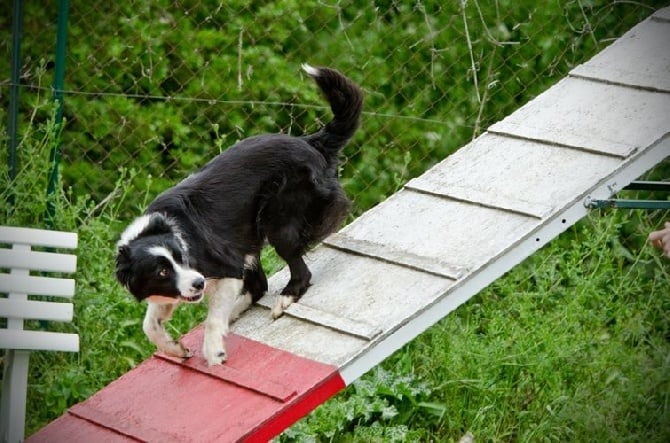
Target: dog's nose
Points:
(198, 283)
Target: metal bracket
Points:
(634, 204)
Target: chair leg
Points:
(14, 389)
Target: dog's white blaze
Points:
(185, 276)
(177, 234)
(140, 224)
(311, 70)
(134, 230)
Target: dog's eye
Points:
(163, 272)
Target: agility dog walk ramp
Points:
(408, 262)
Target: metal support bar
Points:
(59, 80)
(648, 186)
(615, 203)
(627, 204)
(14, 84)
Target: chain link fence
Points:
(155, 89)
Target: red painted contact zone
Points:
(254, 396)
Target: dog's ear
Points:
(123, 266)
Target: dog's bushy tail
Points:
(346, 102)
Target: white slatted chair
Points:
(17, 260)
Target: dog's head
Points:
(151, 262)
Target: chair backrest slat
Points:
(32, 285)
(37, 261)
(38, 340)
(38, 237)
(36, 310)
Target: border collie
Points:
(204, 235)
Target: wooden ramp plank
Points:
(662, 14)
(641, 57)
(596, 117)
(396, 256)
(382, 295)
(440, 229)
(320, 317)
(308, 339)
(516, 175)
(69, 428)
(168, 401)
(238, 374)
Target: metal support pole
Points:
(14, 84)
(59, 80)
(648, 186)
(656, 186)
(627, 204)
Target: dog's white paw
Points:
(214, 351)
(282, 302)
(176, 349)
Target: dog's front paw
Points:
(176, 349)
(214, 351)
(282, 302)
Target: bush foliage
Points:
(162, 86)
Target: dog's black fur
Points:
(275, 188)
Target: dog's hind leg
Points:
(296, 287)
(154, 328)
(290, 246)
(300, 277)
(222, 299)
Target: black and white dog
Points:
(204, 235)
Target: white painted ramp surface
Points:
(640, 58)
(508, 173)
(592, 116)
(415, 257)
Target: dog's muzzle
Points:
(196, 291)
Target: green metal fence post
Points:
(13, 112)
(59, 80)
